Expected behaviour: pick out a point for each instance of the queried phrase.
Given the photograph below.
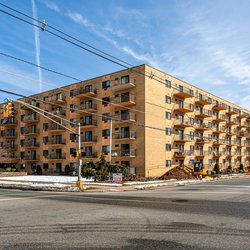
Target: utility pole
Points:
(110, 141)
(78, 153)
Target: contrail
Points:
(37, 43)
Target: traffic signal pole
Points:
(78, 153)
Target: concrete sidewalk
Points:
(105, 187)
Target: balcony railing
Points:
(124, 117)
(218, 130)
(118, 85)
(183, 92)
(202, 126)
(8, 123)
(85, 91)
(6, 134)
(242, 114)
(202, 139)
(202, 100)
(8, 146)
(89, 154)
(92, 138)
(34, 103)
(31, 144)
(125, 100)
(57, 98)
(183, 137)
(184, 107)
(219, 106)
(203, 113)
(183, 123)
(244, 124)
(30, 131)
(87, 106)
(219, 118)
(59, 112)
(125, 135)
(124, 153)
(89, 123)
(54, 126)
(55, 156)
(183, 154)
(56, 142)
(230, 122)
(30, 118)
(30, 158)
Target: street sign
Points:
(117, 178)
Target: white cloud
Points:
(37, 43)
(80, 19)
(52, 5)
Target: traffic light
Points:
(10, 109)
(5, 110)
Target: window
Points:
(191, 135)
(106, 117)
(125, 79)
(168, 115)
(106, 132)
(106, 149)
(46, 98)
(106, 84)
(45, 153)
(22, 142)
(22, 129)
(191, 121)
(45, 139)
(210, 161)
(45, 166)
(168, 84)
(168, 147)
(72, 93)
(191, 92)
(45, 126)
(168, 131)
(105, 101)
(72, 137)
(168, 163)
(72, 107)
(168, 99)
(191, 148)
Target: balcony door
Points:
(58, 139)
(125, 114)
(58, 153)
(181, 119)
(88, 120)
(181, 104)
(88, 135)
(125, 149)
(125, 132)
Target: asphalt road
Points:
(204, 216)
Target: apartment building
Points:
(158, 122)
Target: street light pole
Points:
(78, 153)
(110, 141)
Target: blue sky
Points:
(205, 42)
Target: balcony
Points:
(57, 99)
(183, 92)
(219, 118)
(183, 123)
(8, 123)
(218, 130)
(29, 158)
(201, 153)
(56, 142)
(183, 107)
(89, 155)
(183, 138)
(124, 136)
(89, 124)
(89, 139)
(8, 158)
(241, 134)
(232, 111)
(125, 100)
(231, 132)
(8, 135)
(218, 142)
(244, 124)
(55, 157)
(203, 113)
(34, 103)
(31, 132)
(31, 145)
(117, 85)
(242, 114)
(217, 154)
(231, 122)
(8, 146)
(202, 140)
(30, 118)
(202, 127)
(228, 154)
(83, 92)
(182, 154)
(88, 107)
(124, 153)
(229, 143)
(219, 106)
(202, 100)
(58, 112)
(54, 128)
(124, 118)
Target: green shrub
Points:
(229, 171)
(216, 168)
(67, 170)
(39, 170)
(241, 171)
(13, 170)
(2, 170)
(213, 172)
(8, 169)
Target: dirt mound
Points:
(179, 173)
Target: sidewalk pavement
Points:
(106, 187)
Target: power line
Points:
(78, 110)
(66, 90)
(38, 66)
